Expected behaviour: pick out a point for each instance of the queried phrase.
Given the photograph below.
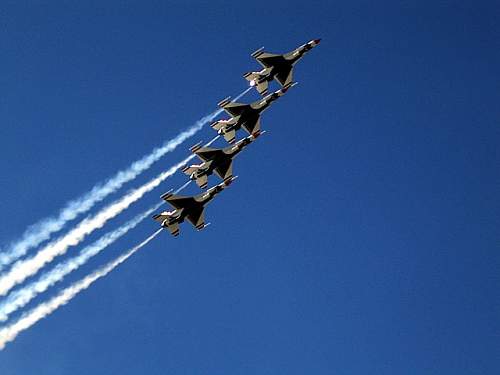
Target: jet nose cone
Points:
(316, 41)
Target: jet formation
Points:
(219, 161)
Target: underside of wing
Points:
(225, 170)
(235, 109)
(190, 170)
(180, 202)
(252, 126)
(207, 153)
(284, 76)
(268, 60)
(197, 218)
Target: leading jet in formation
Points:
(246, 116)
(279, 67)
(190, 208)
(218, 160)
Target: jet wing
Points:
(197, 218)
(235, 109)
(179, 202)
(225, 169)
(269, 60)
(252, 126)
(208, 153)
(284, 76)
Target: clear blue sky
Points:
(362, 235)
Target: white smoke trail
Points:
(42, 230)
(21, 297)
(10, 332)
(24, 268)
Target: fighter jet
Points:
(191, 208)
(216, 160)
(246, 116)
(276, 66)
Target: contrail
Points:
(42, 230)
(21, 297)
(11, 331)
(22, 269)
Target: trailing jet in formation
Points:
(246, 116)
(190, 208)
(218, 160)
(279, 67)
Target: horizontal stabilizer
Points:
(173, 228)
(217, 125)
(189, 170)
(202, 181)
(262, 88)
(230, 136)
(256, 80)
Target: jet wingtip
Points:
(258, 52)
(224, 102)
(289, 85)
(196, 147)
(228, 181)
(167, 195)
